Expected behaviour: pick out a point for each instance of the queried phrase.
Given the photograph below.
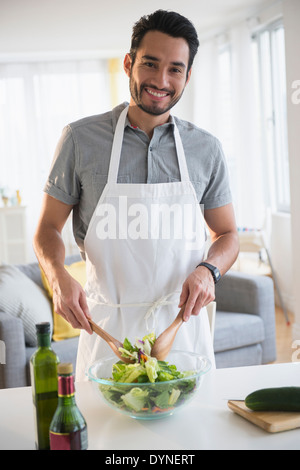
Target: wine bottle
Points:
(68, 429)
(43, 372)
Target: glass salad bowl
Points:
(149, 389)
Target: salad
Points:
(156, 386)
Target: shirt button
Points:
(150, 148)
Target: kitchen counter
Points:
(204, 424)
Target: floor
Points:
(284, 339)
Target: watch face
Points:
(217, 274)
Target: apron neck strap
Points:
(117, 148)
(184, 174)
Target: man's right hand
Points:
(69, 301)
(69, 298)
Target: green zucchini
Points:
(274, 399)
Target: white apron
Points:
(142, 242)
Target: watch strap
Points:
(214, 271)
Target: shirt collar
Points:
(118, 109)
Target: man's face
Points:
(159, 74)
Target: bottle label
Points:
(69, 441)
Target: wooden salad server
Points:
(163, 343)
(111, 341)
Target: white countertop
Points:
(206, 423)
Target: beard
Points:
(155, 109)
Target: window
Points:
(269, 57)
(37, 99)
(225, 112)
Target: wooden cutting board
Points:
(271, 421)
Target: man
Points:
(118, 169)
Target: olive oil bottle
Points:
(43, 372)
(68, 429)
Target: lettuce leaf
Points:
(151, 366)
(135, 399)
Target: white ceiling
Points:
(206, 15)
(27, 25)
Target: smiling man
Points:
(140, 156)
(158, 73)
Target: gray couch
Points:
(244, 327)
(245, 332)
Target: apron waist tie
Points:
(153, 306)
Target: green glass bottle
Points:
(68, 429)
(43, 372)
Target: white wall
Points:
(280, 250)
(291, 13)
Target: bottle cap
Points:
(65, 368)
(43, 327)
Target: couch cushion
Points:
(32, 271)
(21, 297)
(235, 330)
(241, 357)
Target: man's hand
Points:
(69, 298)
(199, 288)
(197, 291)
(69, 301)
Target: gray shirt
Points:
(81, 161)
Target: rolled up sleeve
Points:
(218, 191)
(63, 182)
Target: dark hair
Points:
(168, 22)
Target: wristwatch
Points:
(214, 271)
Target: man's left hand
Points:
(198, 290)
